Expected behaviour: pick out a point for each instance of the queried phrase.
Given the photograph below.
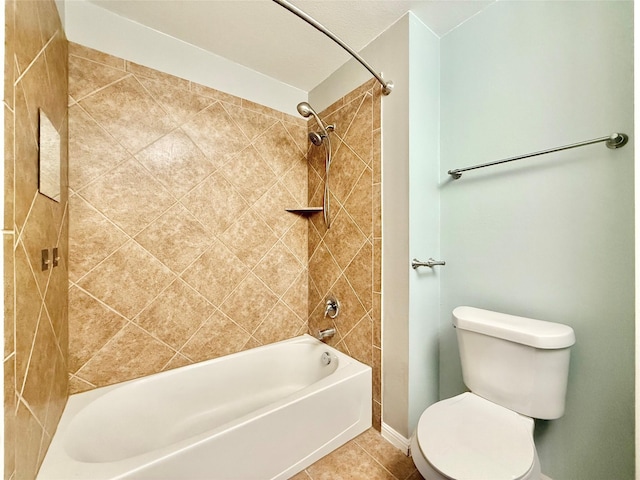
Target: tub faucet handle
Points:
(332, 308)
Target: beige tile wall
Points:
(35, 356)
(180, 247)
(344, 260)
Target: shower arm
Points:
(387, 87)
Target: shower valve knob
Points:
(332, 308)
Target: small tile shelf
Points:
(304, 210)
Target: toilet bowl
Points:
(516, 369)
(469, 438)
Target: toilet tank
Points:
(517, 362)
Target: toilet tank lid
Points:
(526, 331)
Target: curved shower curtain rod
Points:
(387, 86)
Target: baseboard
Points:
(544, 477)
(395, 439)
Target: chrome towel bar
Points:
(615, 140)
(429, 263)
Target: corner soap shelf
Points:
(304, 210)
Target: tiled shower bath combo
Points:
(180, 248)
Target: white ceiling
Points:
(265, 37)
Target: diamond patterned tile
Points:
(359, 203)
(56, 301)
(296, 239)
(39, 381)
(360, 134)
(343, 228)
(180, 103)
(249, 174)
(278, 268)
(86, 76)
(271, 208)
(277, 148)
(316, 157)
(26, 152)
(346, 168)
(296, 296)
(131, 353)
(38, 233)
(177, 361)
(216, 273)
(218, 336)
(343, 117)
(249, 238)
(323, 269)
(128, 280)
(176, 162)
(295, 180)
(78, 385)
(250, 303)
(252, 123)
(314, 296)
(351, 308)
(128, 196)
(141, 72)
(91, 326)
(100, 57)
(176, 238)
(58, 394)
(28, 36)
(124, 104)
(234, 167)
(215, 203)
(176, 314)
(358, 341)
(282, 323)
(216, 134)
(298, 133)
(28, 307)
(92, 237)
(92, 150)
(360, 275)
(313, 239)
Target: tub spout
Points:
(327, 332)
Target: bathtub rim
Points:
(348, 368)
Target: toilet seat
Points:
(467, 437)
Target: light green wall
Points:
(408, 54)
(389, 53)
(550, 237)
(424, 218)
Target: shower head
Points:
(316, 138)
(306, 111)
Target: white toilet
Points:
(517, 370)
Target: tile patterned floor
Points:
(366, 457)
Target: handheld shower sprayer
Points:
(307, 111)
(317, 138)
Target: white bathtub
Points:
(265, 413)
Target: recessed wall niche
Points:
(49, 158)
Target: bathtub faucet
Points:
(332, 307)
(327, 332)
